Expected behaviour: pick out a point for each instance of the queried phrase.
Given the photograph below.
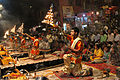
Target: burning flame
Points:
(6, 33)
(20, 29)
(13, 29)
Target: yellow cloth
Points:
(98, 54)
(6, 60)
(2, 53)
(3, 49)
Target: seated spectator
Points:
(110, 37)
(86, 53)
(117, 36)
(103, 37)
(97, 37)
(98, 54)
(114, 57)
(106, 53)
(92, 37)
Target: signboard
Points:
(68, 12)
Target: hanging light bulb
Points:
(97, 13)
(1, 6)
(92, 12)
(44, 29)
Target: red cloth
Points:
(35, 52)
(79, 45)
(62, 76)
(35, 42)
(40, 38)
(102, 66)
(77, 60)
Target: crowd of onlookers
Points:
(107, 43)
(101, 46)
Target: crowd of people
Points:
(104, 47)
(99, 46)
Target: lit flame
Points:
(20, 29)
(6, 33)
(49, 17)
(13, 29)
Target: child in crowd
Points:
(86, 53)
(106, 54)
(98, 54)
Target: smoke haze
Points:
(7, 21)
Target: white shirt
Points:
(92, 37)
(97, 37)
(117, 37)
(110, 37)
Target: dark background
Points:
(30, 12)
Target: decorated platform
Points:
(32, 65)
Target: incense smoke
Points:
(7, 21)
